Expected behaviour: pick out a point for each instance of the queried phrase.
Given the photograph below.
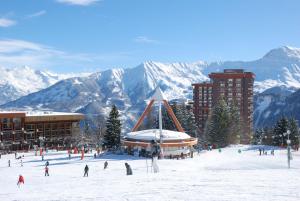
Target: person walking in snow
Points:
(46, 171)
(128, 169)
(105, 165)
(8, 163)
(20, 180)
(86, 171)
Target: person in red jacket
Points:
(21, 180)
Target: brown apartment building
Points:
(22, 130)
(236, 86)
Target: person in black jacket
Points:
(128, 169)
(105, 165)
(86, 171)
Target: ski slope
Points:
(209, 176)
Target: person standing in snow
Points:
(20, 180)
(86, 171)
(46, 171)
(105, 165)
(8, 163)
(259, 151)
(128, 169)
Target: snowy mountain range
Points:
(18, 82)
(279, 69)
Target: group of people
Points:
(86, 170)
(128, 169)
(263, 152)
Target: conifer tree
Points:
(112, 137)
(218, 127)
(280, 128)
(235, 124)
(293, 127)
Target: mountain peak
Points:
(284, 52)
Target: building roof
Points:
(32, 116)
(154, 134)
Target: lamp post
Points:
(288, 142)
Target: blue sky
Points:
(89, 35)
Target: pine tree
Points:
(168, 124)
(294, 136)
(280, 128)
(235, 124)
(112, 137)
(218, 126)
(257, 137)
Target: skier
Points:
(47, 163)
(128, 169)
(46, 171)
(272, 152)
(69, 156)
(8, 163)
(20, 180)
(86, 171)
(42, 157)
(15, 155)
(260, 151)
(95, 155)
(21, 163)
(105, 165)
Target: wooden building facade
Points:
(23, 130)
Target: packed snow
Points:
(154, 134)
(210, 175)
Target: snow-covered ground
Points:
(209, 176)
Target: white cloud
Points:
(144, 39)
(37, 14)
(6, 22)
(16, 53)
(78, 2)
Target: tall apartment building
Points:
(236, 86)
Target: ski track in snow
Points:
(209, 176)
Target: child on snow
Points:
(20, 180)
(46, 171)
(128, 169)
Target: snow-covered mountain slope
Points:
(126, 88)
(279, 69)
(279, 66)
(21, 81)
(274, 103)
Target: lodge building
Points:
(236, 87)
(22, 130)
